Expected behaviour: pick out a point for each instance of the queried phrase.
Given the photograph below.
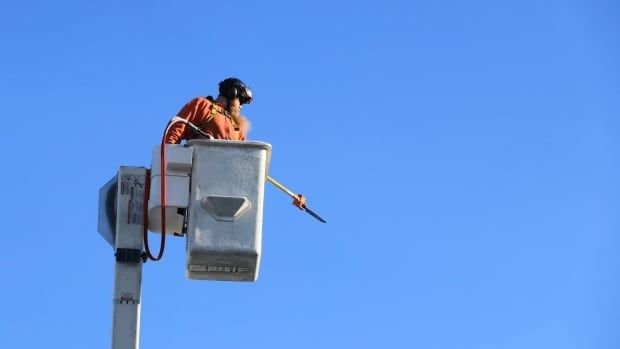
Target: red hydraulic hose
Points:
(147, 191)
(162, 165)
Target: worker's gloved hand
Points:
(300, 201)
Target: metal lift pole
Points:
(128, 252)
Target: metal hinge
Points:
(130, 255)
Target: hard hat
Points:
(235, 88)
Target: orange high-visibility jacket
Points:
(209, 117)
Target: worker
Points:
(219, 118)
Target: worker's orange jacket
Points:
(209, 117)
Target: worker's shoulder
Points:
(198, 104)
(201, 101)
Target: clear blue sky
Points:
(465, 155)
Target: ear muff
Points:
(233, 92)
(229, 92)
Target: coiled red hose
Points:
(162, 159)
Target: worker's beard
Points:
(240, 120)
(234, 111)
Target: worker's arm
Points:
(191, 111)
(175, 133)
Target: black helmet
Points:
(235, 88)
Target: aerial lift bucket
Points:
(216, 188)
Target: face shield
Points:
(245, 95)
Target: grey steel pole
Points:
(128, 252)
